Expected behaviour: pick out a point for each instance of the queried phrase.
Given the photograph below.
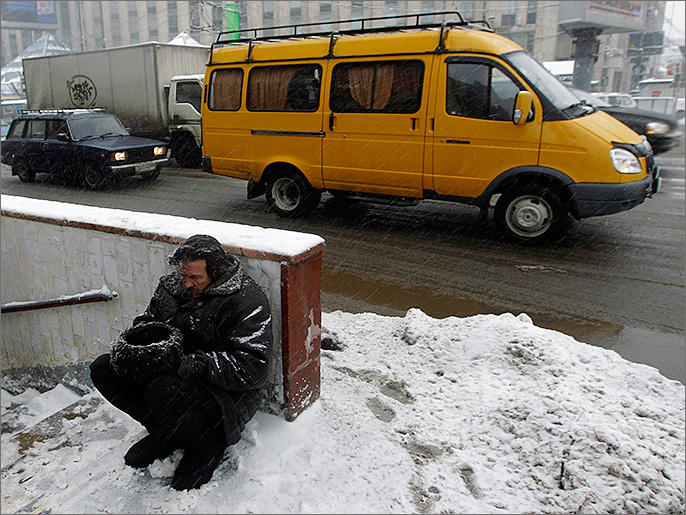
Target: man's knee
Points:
(166, 392)
(100, 368)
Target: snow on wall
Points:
(52, 249)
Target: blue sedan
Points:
(89, 147)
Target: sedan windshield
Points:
(96, 127)
(556, 92)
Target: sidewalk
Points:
(485, 414)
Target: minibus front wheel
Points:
(289, 194)
(530, 214)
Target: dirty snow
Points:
(486, 414)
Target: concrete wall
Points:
(51, 250)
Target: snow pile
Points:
(486, 414)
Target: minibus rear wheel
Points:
(532, 213)
(289, 194)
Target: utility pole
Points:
(80, 16)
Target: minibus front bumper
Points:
(595, 199)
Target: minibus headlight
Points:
(657, 128)
(160, 151)
(119, 156)
(624, 161)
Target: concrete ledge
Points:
(54, 249)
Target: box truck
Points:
(154, 88)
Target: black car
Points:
(661, 130)
(86, 146)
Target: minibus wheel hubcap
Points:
(286, 194)
(529, 216)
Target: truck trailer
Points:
(154, 88)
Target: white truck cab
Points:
(185, 97)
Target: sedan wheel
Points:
(92, 177)
(23, 172)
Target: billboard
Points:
(32, 13)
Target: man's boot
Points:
(197, 466)
(153, 447)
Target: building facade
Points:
(535, 25)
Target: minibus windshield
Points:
(556, 92)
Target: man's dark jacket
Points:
(227, 336)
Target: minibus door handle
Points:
(331, 120)
(415, 122)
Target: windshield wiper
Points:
(109, 134)
(582, 104)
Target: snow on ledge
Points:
(252, 241)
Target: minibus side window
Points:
(480, 91)
(284, 88)
(378, 87)
(225, 89)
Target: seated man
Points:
(225, 320)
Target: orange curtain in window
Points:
(269, 88)
(407, 79)
(226, 89)
(363, 87)
(384, 85)
(361, 80)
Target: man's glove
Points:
(192, 367)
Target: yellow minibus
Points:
(448, 111)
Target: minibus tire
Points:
(290, 195)
(532, 213)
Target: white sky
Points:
(674, 22)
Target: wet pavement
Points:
(615, 281)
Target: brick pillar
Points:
(301, 332)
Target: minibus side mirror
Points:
(522, 108)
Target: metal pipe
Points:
(67, 300)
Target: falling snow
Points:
(485, 414)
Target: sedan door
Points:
(59, 153)
(34, 152)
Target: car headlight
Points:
(119, 156)
(657, 128)
(160, 151)
(624, 161)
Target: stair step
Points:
(30, 407)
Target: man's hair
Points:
(202, 246)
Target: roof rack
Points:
(242, 36)
(74, 110)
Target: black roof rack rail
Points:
(242, 36)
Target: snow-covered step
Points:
(86, 441)
(30, 407)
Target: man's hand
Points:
(192, 367)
